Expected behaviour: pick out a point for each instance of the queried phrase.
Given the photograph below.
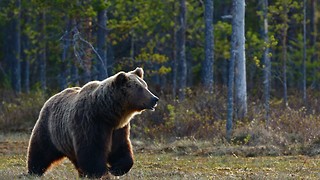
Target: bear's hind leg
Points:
(41, 154)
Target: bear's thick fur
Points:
(90, 126)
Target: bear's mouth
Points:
(153, 108)
(153, 103)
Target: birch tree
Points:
(266, 60)
(238, 48)
(237, 70)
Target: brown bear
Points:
(90, 126)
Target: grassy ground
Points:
(175, 161)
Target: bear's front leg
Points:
(92, 155)
(121, 163)
(91, 163)
(121, 156)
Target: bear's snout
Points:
(154, 102)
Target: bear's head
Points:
(135, 91)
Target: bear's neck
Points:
(110, 109)
(125, 119)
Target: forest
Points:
(241, 75)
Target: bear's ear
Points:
(139, 72)
(121, 78)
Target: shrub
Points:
(19, 112)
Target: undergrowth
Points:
(202, 116)
(19, 112)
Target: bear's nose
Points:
(155, 99)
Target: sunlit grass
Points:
(172, 166)
(225, 167)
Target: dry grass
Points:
(173, 166)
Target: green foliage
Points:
(254, 48)
(154, 59)
(164, 70)
(150, 24)
(283, 12)
(5, 81)
(141, 17)
(222, 34)
(171, 116)
(99, 5)
(141, 33)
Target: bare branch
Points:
(78, 50)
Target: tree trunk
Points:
(230, 95)
(284, 56)
(313, 39)
(304, 54)
(74, 75)
(266, 60)
(25, 64)
(238, 47)
(42, 69)
(284, 72)
(132, 44)
(7, 50)
(65, 44)
(207, 67)
(182, 51)
(101, 45)
(15, 55)
(174, 56)
(25, 71)
(42, 56)
(26, 76)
